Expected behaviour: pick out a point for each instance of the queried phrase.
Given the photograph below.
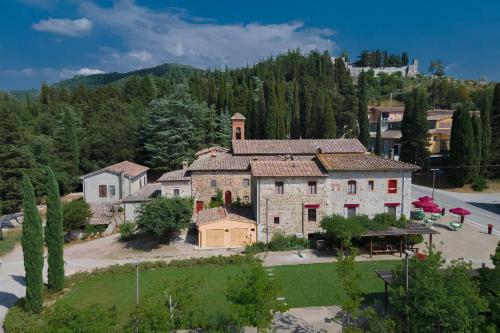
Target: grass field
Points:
(303, 285)
(10, 238)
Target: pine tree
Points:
(223, 130)
(364, 126)
(404, 59)
(378, 137)
(54, 236)
(485, 109)
(15, 157)
(414, 129)
(32, 244)
(495, 130)
(461, 148)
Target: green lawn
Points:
(10, 238)
(304, 285)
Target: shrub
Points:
(94, 318)
(75, 214)
(218, 200)
(94, 229)
(127, 231)
(384, 220)
(162, 216)
(479, 184)
(415, 239)
(20, 321)
(339, 229)
(256, 247)
(279, 242)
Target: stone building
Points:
(290, 186)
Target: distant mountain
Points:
(102, 79)
(22, 95)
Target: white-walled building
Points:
(115, 182)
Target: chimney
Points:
(213, 152)
(184, 165)
(238, 126)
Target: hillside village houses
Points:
(284, 186)
(439, 121)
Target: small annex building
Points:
(225, 227)
(114, 182)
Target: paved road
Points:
(484, 207)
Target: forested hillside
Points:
(163, 115)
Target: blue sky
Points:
(52, 40)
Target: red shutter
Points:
(392, 186)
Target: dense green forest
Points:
(162, 116)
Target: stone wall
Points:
(184, 186)
(289, 207)
(232, 181)
(332, 196)
(370, 202)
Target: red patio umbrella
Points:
(432, 210)
(416, 203)
(460, 211)
(425, 198)
(427, 204)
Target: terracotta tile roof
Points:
(387, 108)
(220, 213)
(129, 169)
(238, 116)
(285, 169)
(149, 191)
(226, 162)
(296, 147)
(363, 162)
(208, 150)
(177, 175)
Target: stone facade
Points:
(371, 202)
(206, 183)
(331, 197)
(169, 188)
(288, 212)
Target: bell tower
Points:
(238, 125)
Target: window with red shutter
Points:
(392, 186)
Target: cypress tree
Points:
(404, 59)
(478, 144)
(414, 129)
(495, 129)
(378, 137)
(485, 109)
(32, 244)
(364, 126)
(54, 236)
(461, 148)
(295, 116)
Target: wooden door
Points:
(227, 198)
(199, 206)
(215, 238)
(239, 236)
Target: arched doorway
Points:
(227, 198)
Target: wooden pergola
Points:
(413, 229)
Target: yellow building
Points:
(440, 130)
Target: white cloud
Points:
(152, 37)
(67, 27)
(68, 73)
